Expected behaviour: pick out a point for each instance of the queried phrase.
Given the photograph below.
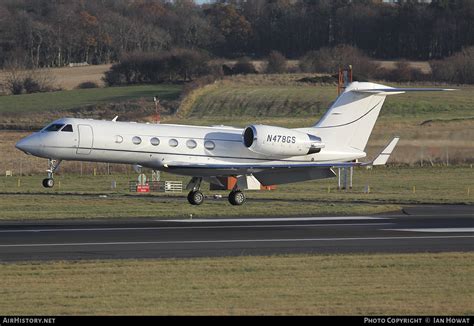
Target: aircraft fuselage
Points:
(159, 146)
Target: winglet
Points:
(384, 155)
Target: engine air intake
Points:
(249, 136)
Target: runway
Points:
(427, 229)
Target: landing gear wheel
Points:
(195, 197)
(52, 167)
(48, 183)
(237, 198)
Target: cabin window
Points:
(155, 141)
(118, 139)
(67, 128)
(191, 143)
(54, 127)
(173, 142)
(136, 140)
(209, 145)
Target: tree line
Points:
(53, 33)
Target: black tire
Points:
(237, 198)
(48, 183)
(195, 197)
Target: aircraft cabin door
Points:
(86, 139)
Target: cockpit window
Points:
(54, 127)
(67, 128)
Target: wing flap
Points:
(283, 176)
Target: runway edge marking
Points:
(229, 241)
(277, 219)
(435, 230)
(159, 228)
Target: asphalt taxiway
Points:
(417, 229)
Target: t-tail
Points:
(351, 119)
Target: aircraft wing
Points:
(276, 173)
(381, 159)
(266, 174)
(256, 167)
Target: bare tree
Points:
(20, 80)
(276, 63)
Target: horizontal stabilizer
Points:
(394, 90)
(384, 155)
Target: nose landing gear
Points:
(48, 183)
(52, 167)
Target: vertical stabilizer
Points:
(350, 120)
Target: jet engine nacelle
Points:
(281, 142)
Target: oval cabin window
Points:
(118, 139)
(173, 142)
(191, 143)
(209, 145)
(136, 140)
(155, 141)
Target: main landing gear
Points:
(196, 197)
(52, 167)
(236, 197)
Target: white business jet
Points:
(273, 155)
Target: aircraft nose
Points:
(23, 144)
(28, 145)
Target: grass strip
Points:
(359, 284)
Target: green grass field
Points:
(64, 100)
(377, 284)
(76, 196)
(35, 207)
(263, 97)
